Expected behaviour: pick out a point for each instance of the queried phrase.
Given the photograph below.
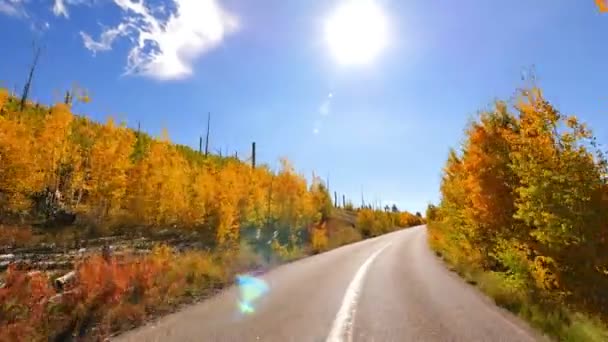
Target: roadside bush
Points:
(319, 242)
(524, 203)
(109, 295)
(285, 253)
(342, 236)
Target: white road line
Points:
(342, 328)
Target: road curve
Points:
(390, 288)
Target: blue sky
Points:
(264, 70)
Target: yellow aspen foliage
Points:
(290, 192)
(53, 144)
(3, 97)
(174, 196)
(121, 178)
(161, 186)
(258, 196)
(204, 189)
(407, 219)
(18, 171)
(227, 199)
(321, 199)
(366, 222)
(145, 179)
(547, 162)
(109, 166)
(81, 141)
(136, 192)
(319, 240)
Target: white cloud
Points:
(105, 40)
(166, 49)
(13, 8)
(60, 9)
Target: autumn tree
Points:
(19, 175)
(321, 198)
(54, 136)
(116, 177)
(228, 198)
(526, 196)
(108, 169)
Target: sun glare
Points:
(356, 32)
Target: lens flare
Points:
(251, 289)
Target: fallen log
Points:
(26, 265)
(67, 279)
(9, 256)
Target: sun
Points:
(356, 32)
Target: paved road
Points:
(391, 288)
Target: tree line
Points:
(113, 178)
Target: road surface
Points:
(390, 288)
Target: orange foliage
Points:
(115, 293)
(526, 197)
(23, 304)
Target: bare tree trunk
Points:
(68, 98)
(207, 137)
(253, 155)
(269, 201)
(28, 84)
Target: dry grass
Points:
(15, 236)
